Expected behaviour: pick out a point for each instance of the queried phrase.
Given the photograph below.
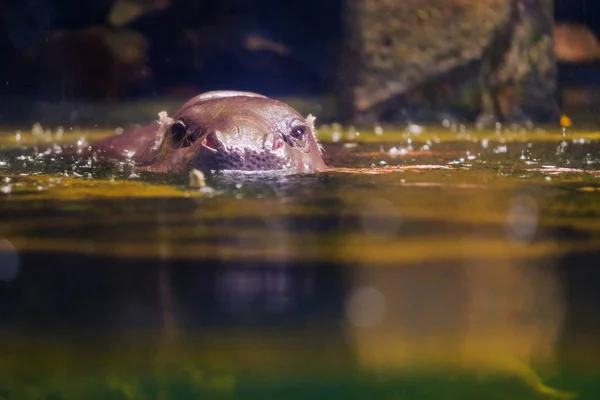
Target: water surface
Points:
(427, 263)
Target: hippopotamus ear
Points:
(310, 120)
(164, 121)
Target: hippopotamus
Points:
(220, 131)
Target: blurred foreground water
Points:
(428, 263)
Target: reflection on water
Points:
(435, 279)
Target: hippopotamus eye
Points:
(298, 132)
(296, 137)
(179, 134)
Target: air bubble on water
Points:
(561, 147)
(378, 130)
(500, 149)
(446, 123)
(398, 152)
(133, 175)
(119, 131)
(18, 136)
(336, 136)
(415, 129)
(382, 163)
(238, 185)
(6, 189)
(485, 143)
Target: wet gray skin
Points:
(221, 131)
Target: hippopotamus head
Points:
(241, 131)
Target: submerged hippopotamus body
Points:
(220, 131)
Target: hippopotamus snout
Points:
(248, 152)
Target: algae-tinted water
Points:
(427, 263)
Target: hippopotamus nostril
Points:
(213, 142)
(277, 142)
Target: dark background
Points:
(215, 58)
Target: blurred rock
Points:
(574, 43)
(96, 62)
(519, 74)
(394, 49)
(26, 24)
(265, 45)
(126, 11)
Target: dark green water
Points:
(424, 265)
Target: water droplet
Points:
(415, 129)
